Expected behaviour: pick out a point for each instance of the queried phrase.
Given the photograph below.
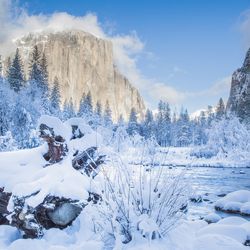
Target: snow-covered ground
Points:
(127, 188)
(227, 234)
(183, 156)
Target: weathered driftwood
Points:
(57, 148)
(4, 200)
(88, 161)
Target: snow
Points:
(55, 179)
(25, 173)
(58, 127)
(212, 218)
(236, 202)
(217, 242)
(183, 156)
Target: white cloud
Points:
(16, 22)
(126, 47)
(217, 88)
(244, 26)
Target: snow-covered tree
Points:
(5, 108)
(120, 136)
(86, 108)
(1, 67)
(107, 116)
(15, 74)
(184, 132)
(68, 110)
(35, 74)
(199, 129)
(220, 109)
(133, 125)
(97, 116)
(44, 85)
(21, 125)
(55, 99)
(148, 125)
(163, 124)
(227, 137)
(7, 143)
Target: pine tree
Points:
(21, 125)
(55, 98)
(44, 83)
(4, 109)
(107, 118)
(1, 67)
(15, 73)
(184, 135)
(120, 135)
(86, 108)
(220, 109)
(36, 74)
(97, 117)
(148, 125)
(163, 127)
(68, 110)
(133, 126)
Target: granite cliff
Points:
(82, 63)
(239, 98)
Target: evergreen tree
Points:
(148, 125)
(86, 108)
(68, 110)
(210, 116)
(107, 117)
(97, 120)
(220, 109)
(21, 125)
(174, 130)
(200, 137)
(1, 67)
(36, 75)
(163, 127)
(4, 109)
(55, 99)
(15, 73)
(44, 85)
(184, 132)
(120, 135)
(133, 126)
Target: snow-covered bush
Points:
(138, 201)
(7, 143)
(226, 138)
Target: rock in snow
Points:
(235, 202)
(51, 191)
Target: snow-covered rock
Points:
(212, 218)
(235, 202)
(43, 195)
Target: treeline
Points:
(23, 101)
(172, 129)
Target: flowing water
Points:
(212, 184)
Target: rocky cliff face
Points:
(239, 99)
(82, 63)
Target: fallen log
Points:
(88, 161)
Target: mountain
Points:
(239, 98)
(82, 63)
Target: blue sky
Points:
(190, 46)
